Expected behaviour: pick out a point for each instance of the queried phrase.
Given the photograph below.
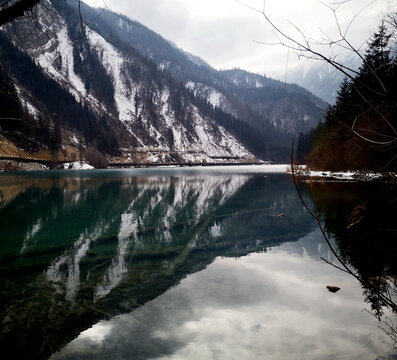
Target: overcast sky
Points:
(224, 32)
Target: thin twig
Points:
(336, 266)
(81, 23)
(304, 48)
(316, 218)
(120, 16)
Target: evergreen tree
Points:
(377, 62)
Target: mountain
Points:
(288, 107)
(321, 78)
(72, 80)
(237, 92)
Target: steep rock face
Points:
(142, 107)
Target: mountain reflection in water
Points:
(78, 249)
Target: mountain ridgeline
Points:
(110, 83)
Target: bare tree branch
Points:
(304, 46)
(82, 23)
(120, 16)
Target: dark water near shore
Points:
(176, 264)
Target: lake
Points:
(181, 263)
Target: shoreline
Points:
(182, 164)
(311, 176)
(14, 164)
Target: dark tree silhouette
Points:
(360, 129)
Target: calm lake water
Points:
(174, 263)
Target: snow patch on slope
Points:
(223, 145)
(114, 62)
(214, 97)
(66, 52)
(47, 58)
(31, 109)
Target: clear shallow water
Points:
(174, 264)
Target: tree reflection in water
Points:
(362, 220)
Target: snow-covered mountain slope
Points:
(124, 94)
(234, 87)
(113, 84)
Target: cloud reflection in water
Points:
(270, 305)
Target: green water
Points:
(173, 257)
